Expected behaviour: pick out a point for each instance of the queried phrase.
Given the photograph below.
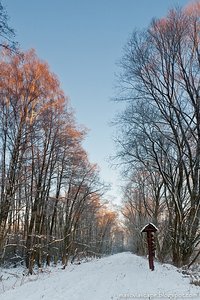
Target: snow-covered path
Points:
(121, 276)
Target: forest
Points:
(52, 204)
(159, 139)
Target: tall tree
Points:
(161, 73)
(48, 187)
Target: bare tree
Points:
(6, 32)
(48, 187)
(161, 68)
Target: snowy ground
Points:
(118, 277)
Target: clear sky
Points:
(82, 40)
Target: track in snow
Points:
(117, 277)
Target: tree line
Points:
(51, 196)
(159, 139)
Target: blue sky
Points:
(82, 40)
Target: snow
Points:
(116, 277)
(154, 226)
